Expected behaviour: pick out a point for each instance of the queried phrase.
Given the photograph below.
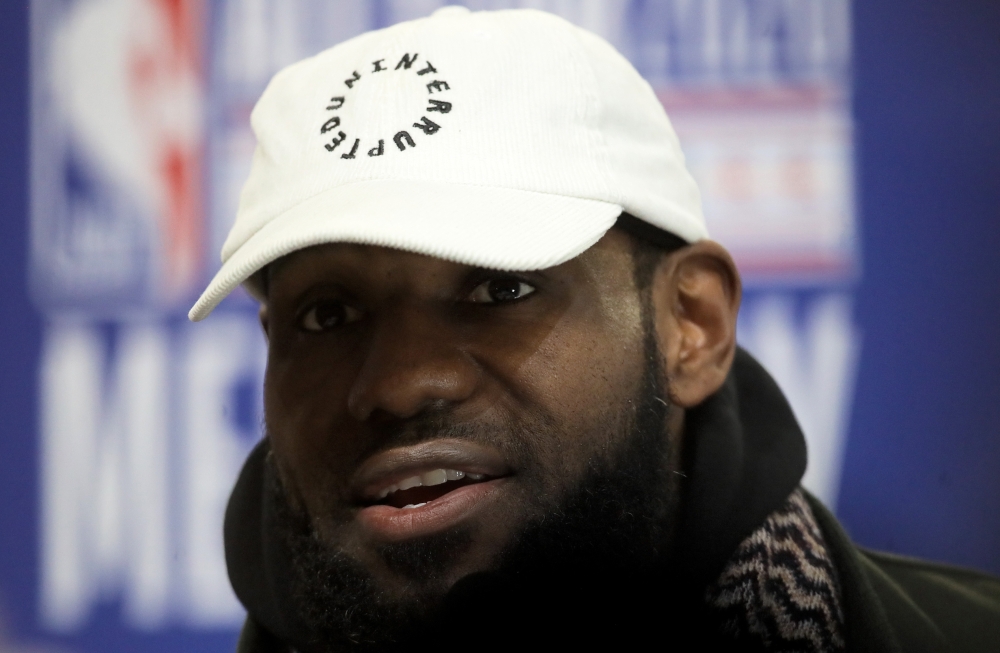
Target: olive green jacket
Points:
(896, 603)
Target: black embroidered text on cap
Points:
(403, 139)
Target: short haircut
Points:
(649, 245)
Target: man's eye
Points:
(327, 315)
(503, 289)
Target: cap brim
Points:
(484, 226)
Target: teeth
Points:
(436, 477)
(414, 505)
(407, 483)
(433, 477)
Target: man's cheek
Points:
(576, 376)
(311, 470)
(301, 404)
(583, 436)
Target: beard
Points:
(607, 532)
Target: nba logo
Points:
(118, 137)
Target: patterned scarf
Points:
(779, 589)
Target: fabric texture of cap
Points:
(509, 140)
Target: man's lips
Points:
(412, 491)
(402, 467)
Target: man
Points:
(504, 401)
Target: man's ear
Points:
(262, 315)
(696, 295)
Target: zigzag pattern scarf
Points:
(779, 589)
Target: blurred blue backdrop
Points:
(849, 156)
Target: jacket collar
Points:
(746, 454)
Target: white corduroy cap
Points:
(509, 140)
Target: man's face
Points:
(424, 414)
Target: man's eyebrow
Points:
(265, 276)
(475, 271)
(262, 278)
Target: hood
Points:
(744, 454)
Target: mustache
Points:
(512, 435)
(515, 437)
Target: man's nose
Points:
(413, 362)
